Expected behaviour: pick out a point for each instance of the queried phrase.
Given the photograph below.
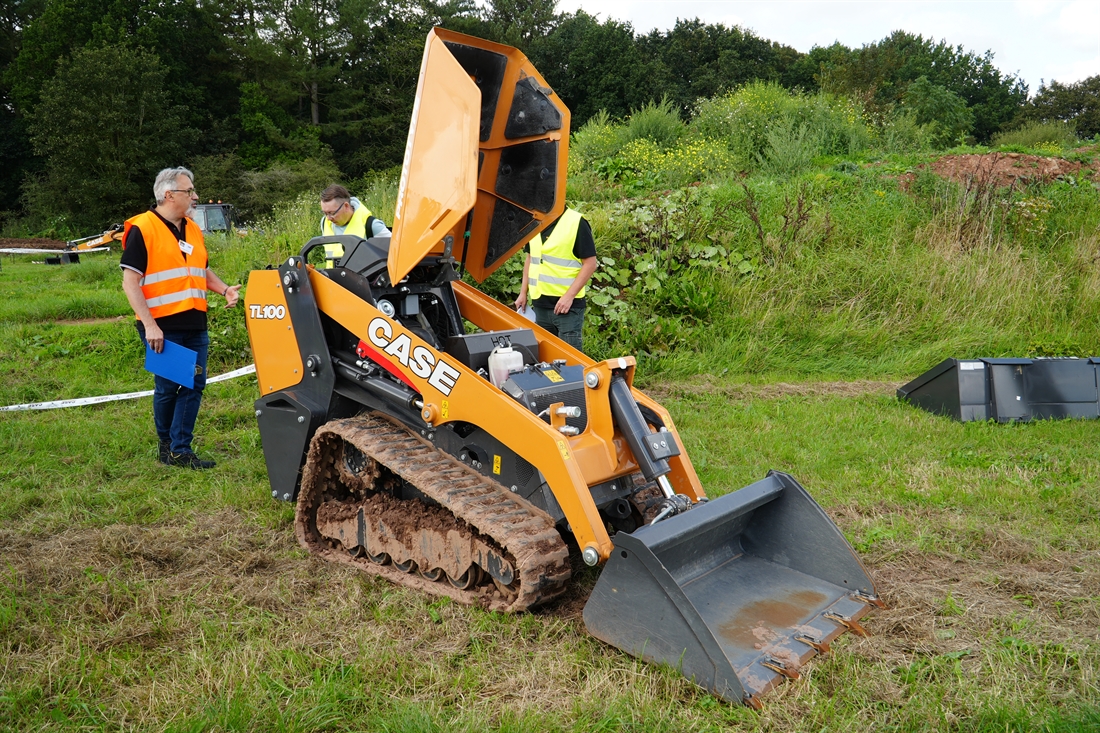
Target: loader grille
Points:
(524, 471)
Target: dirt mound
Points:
(1005, 169)
(32, 243)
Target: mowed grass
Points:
(138, 597)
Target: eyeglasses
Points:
(335, 211)
(188, 191)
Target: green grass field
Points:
(135, 596)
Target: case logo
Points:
(419, 360)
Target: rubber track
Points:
(525, 533)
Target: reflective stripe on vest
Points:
(553, 266)
(175, 297)
(171, 283)
(174, 272)
(356, 227)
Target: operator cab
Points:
(214, 217)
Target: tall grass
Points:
(1058, 135)
(836, 273)
(758, 117)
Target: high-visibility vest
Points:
(171, 284)
(356, 226)
(553, 265)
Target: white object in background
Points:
(528, 313)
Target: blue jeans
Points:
(566, 326)
(175, 407)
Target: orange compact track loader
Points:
(96, 241)
(386, 414)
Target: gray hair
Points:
(166, 179)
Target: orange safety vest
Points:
(171, 284)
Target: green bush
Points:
(1056, 135)
(901, 133)
(659, 123)
(944, 113)
(760, 117)
(598, 139)
(791, 148)
(261, 191)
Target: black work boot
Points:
(164, 449)
(188, 460)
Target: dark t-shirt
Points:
(136, 257)
(583, 247)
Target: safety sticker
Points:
(496, 465)
(563, 449)
(552, 375)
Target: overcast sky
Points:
(1034, 39)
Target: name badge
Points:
(187, 248)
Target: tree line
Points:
(267, 98)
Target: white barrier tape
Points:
(29, 251)
(80, 402)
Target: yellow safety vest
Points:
(356, 227)
(553, 266)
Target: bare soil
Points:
(32, 243)
(1005, 169)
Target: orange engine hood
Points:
(486, 159)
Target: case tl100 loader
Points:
(378, 417)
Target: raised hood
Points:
(486, 157)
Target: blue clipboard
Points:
(175, 362)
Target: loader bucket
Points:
(737, 593)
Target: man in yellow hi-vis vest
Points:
(555, 274)
(345, 214)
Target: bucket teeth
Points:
(868, 598)
(849, 623)
(781, 667)
(821, 647)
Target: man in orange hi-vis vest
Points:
(166, 277)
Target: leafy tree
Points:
(270, 135)
(518, 22)
(368, 118)
(105, 126)
(1077, 103)
(701, 60)
(16, 157)
(887, 68)
(816, 70)
(942, 110)
(595, 66)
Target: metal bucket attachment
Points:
(737, 593)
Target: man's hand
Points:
(563, 305)
(155, 337)
(232, 294)
(521, 301)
